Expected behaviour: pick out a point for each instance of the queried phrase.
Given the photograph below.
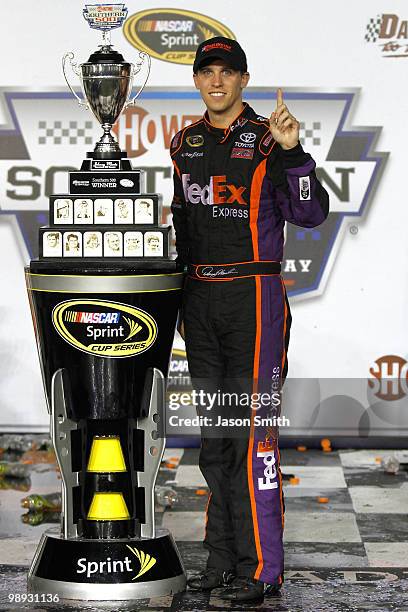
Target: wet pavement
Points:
(349, 553)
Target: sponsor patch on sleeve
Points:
(242, 153)
(304, 187)
(175, 141)
(267, 143)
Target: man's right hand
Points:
(283, 126)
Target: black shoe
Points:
(248, 589)
(212, 578)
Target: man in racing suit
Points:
(238, 177)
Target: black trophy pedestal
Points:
(106, 266)
(107, 570)
(104, 334)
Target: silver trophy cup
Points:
(107, 82)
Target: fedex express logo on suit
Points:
(216, 192)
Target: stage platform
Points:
(350, 553)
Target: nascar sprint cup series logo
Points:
(105, 329)
(172, 35)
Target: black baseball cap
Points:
(223, 48)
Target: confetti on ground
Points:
(326, 445)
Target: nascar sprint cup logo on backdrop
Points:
(172, 35)
(106, 329)
(46, 135)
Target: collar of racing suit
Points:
(223, 134)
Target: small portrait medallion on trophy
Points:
(72, 244)
(103, 208)
(153, 244)
(52, 244)
(83, 211)
(133, 244)
(113, 246)
(144, 210)
(93, 244)
(124, 210)
(63, 211)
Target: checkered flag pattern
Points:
(343, 510)
(72, 132)
(346, 534)
(310, 134)
(373, 29)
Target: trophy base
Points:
(106, 181)
(103, 570)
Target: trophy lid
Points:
(106, 55)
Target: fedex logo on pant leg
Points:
(269, 480)
(217, 192)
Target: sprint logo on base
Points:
(113, 566)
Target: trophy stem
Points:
(107, 128)
(106, 38)
(107, 142)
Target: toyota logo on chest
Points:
(248, 137)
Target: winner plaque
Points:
(104, 296)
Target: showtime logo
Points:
(389, 380)
(137, 131)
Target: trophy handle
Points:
(135, 70)
(69, 57)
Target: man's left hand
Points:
(283, 126)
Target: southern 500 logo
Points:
(46, 135)
(103, 328)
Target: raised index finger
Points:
(279, 97)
